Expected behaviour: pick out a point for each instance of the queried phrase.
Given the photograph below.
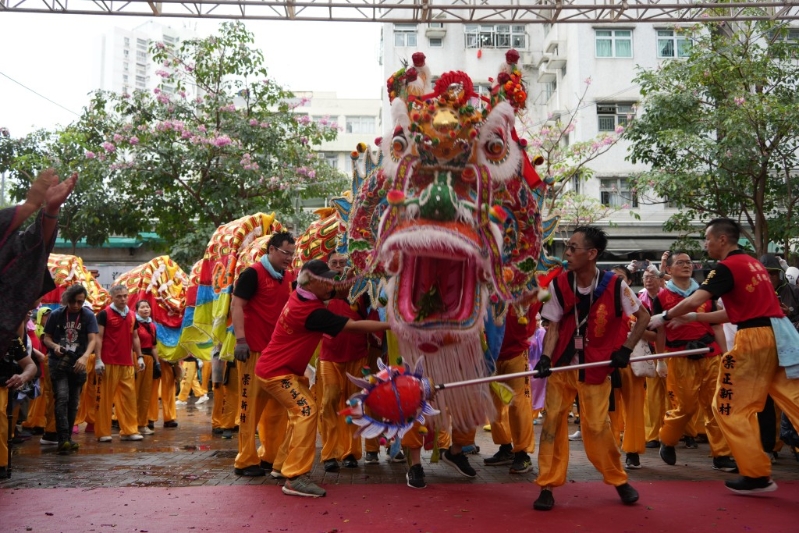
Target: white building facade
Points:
(125, 62)
(556, 61)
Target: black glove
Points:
(621, 357)
(241, 352)
(157, 370)
(543, 367)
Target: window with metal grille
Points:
(611, 115)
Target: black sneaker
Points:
(49, 439)
(350, 462)
(250, 471)
(653, 444)
(751, 485)
(725, 464)
(266, 465)
(668, 454)
(545, 501)
(632, 462)
(459, 462)
(217, 431)
(521, 463)
(371, 458)
(331, 465)
(171, 424)
(415, 477)
(627, 494)
(504, 456)
(151, 424)
(690, 443)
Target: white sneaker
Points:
(144, 430)
(202, 399)
(104, 439)
(180, 402)
(135, 436)
(576, 435)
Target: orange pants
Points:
(191, 382)
(514, 422)
(226, 400)
(695, 386)
(553, 449)
(655, 406)
(144, 391)
(163, 387)
(261, 411)
(338, 440)
(633, 396)
(747, 374)
(117, 387)
(296, 453)
(87, 409)
(41, 412)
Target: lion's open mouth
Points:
(436, 289)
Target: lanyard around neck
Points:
(593, 286)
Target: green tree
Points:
(95, 210)
(719, 131)
(237, 147)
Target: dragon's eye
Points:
(399, 144)
(495, 148)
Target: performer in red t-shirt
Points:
(754, 367)
(346, 353)
(512, 428)
(258, 298)
(692, 379)
(281, 369)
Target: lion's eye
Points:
(495, 148)
(399, 144)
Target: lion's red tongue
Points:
(436, 288)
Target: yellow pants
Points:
(205, 376)
(296, 453)
(747, 374)
(260, 411)
(655, 407)
(191, 382)
(226, 398)
(117, 387)
(163, 387)
(41, 412)
(87, 408)
(514, 422)
(144, 391)
(694, 385)
(413, 439)
(633, 396)
(338, 440)
(553, 449)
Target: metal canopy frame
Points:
(422, 11)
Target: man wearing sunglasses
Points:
(258, 298)
(586, 316)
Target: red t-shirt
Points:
(292, 344)
(147, 333)
(266, 297)
(117, 336)
(345, 347)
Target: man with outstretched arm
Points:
(764, 360)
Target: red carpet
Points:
(673, 507)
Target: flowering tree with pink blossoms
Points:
(94, 211)
(238, 146)
(564, 163)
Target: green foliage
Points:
(95, 210)
(719, 131)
